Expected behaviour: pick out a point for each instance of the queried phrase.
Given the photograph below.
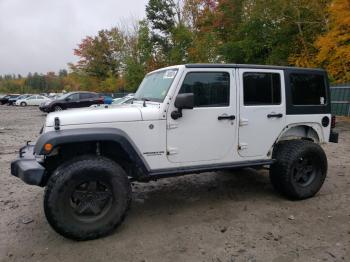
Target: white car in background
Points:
(117, 101)
(123, 100)
(34, 100)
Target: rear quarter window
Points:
(308, 89)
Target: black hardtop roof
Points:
(251, 66)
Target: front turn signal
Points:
(48, 148)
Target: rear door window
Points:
(261, 88)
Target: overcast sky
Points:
(40, 35)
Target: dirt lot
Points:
(225, 216)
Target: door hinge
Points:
(242, 146)
(172, 151)
(172, 125)
(243, 122)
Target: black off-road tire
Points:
(294, 158)
(59, 206)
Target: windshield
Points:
(23, 96)
(154, 87)
(64, 96)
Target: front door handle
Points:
(223, 117)
(274, 115)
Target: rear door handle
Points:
(274, 115)
(223, 117)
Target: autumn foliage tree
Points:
(102, 55)
(334, 46)
(307, 33)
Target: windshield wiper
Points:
(144, 101)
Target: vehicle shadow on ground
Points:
(202, 191)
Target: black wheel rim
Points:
(91, 200)
(305, 171)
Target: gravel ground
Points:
(223, 216)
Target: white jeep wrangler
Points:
(184, 119)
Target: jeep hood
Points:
(108, 114)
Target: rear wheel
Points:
(87, 197)
(23, 104)
(300, 168)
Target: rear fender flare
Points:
(309, 131)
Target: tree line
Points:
(307, 33)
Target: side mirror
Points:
(68, 99)
(182, 101)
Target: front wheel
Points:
(57, 108)
(300, 169)
(23, 104)
(87, 197)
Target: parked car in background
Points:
(12, 101)
(116, 101)
(107, 100)
(123, 100)
(34, 100)
(4, 100)
(54, 96)
(72, 100)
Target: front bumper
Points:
(27, 168)
(45, 109)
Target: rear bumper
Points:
(333, 137)
(27, 168)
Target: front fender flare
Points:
(67, 136)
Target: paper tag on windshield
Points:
(170, 74)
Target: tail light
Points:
(101, 99)
(333, 121)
